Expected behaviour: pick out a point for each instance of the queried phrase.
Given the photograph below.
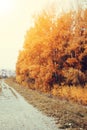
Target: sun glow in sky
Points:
(6, 6)
(15, 20)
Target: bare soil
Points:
(68, 115)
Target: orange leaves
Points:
(54, 51)
(76, 94)
(34, 71)
(72, 62)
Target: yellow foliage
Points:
(55, 52)
(73, 93)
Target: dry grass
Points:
(70, 115)
(0, 89)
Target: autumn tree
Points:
(53, 46)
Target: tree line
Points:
(54, 51)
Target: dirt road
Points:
(17, 114)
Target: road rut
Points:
(17, 114)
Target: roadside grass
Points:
(70, 115)
(0, 89)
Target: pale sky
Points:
(15, 20)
